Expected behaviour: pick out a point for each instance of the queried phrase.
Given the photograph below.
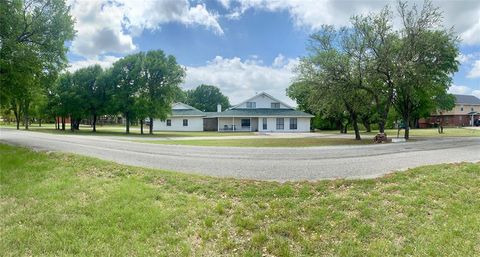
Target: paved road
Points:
(279, 164)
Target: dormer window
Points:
(275, 105)
(251, 105)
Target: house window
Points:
(169, 123)
(280, 124)
(185, 123)
(264, 121)
(293, 123)
(251, 105)
(275, 105)
(245, 123)
(471, 109)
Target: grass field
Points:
(264, 142)
(430, 132)
(57, 205)
(119, 130)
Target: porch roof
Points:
(259, 112)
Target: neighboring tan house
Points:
(465, 113)
(261, 113)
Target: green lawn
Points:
(118, 130)
(430, 132)
(57, 205)
(264, 142)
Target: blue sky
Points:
(241, 46)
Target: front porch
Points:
(238, 124)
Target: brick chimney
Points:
(219, 108)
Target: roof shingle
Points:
(243, 112)
(466, 99)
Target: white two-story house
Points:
(262, 113)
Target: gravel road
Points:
(277, 164)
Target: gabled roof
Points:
(262, 93)
(259, 112)
(188, 111)
(466, 99)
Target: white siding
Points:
(262, 101)
(237, 121)
(194, 124)
(303, 125)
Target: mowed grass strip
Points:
(55, 204)
(428, 132)
(264, 142)
(134, 132)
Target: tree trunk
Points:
(141, 126)
(367, 126)
(381, 126)
(94, 123)
(127, 123)
(71, 124)
(26, 118)
(353, 117)
(17, 118)
(345, 128)
(26, 105)
(63, 123)
(150, 126)
(39, 122)
(406, 121)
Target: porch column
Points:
(250, 124)
(218, 124)
(233, 123)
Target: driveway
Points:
(278, 164)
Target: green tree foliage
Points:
(71, 97)
(206, 98)
(93, 87)
(32, 50)
(370, 67)
(126, 76)
(161, 77)
(428, 60)
(335, 71)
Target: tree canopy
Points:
(32, 49)
(369, 67)
(206, 98)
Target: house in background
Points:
(465, 113)
(262, 113)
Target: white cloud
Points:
(471, 35)
(99, 29)
(240, 79)
(108, 26)
(464, 15)
(475, 71)
(457, 89)
(476, 93)
(104, 61)
(464, 90)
